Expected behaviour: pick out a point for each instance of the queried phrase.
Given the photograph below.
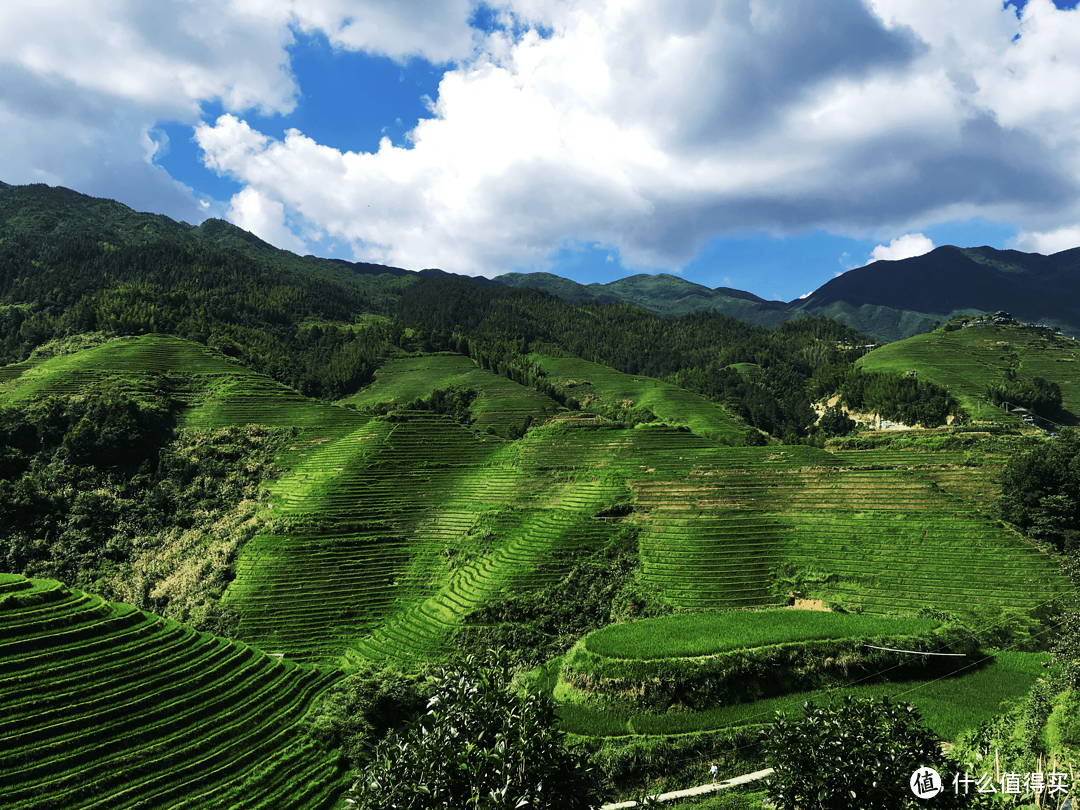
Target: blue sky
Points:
(757, 144)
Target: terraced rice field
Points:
(386, 535)
(580, 379)
(106, 706)
(500, 402)
(968, 360)
(396, 531)
(949, 706)
(896, 538)
(697, 634)
(217, 392)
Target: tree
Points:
(858, 755)
(1040, 491)
(481, 746)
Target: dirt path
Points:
(696, 791)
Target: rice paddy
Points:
(500, 403)
(108, 706)
(385, 532)
(948, 706)
(697, 634)
(968, 360)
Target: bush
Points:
(480, 745)
(859, 755)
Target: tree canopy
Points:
(480, 746)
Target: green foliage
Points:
(835, 422)
(724, 800)
(451, 401)
(480, 745)
(101, 491)
(740, 675)
(1040, 491)
(950, 702)
(362, 708)
(908, 400)
(1038, 395)
(858, 754)
(540, 624)
(496, 325)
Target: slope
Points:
(108, 706)
(968, 359)
(500, 403)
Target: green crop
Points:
(697, 634)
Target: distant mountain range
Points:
(890, 300)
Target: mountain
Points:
(662, 294)
(889, 300)
(950, 281)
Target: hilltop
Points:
(888, 300)
(970, 356)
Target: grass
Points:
(698, 634)
(966, 361)
(500, 402)
(948, 706)
(610, 389)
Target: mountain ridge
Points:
(889, 300)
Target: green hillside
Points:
(387, 537)
(969, 359)
(240, 488)
(500, 403)
(108, 706)
(603, 390)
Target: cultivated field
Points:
(108, 706)
(967, 360)
(500, 403)
(605, 388)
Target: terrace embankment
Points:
(109, 706)
(704, 660)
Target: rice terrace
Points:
(259, 510)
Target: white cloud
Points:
(653, 128)
(81, 83)
(266, 218)
(400, 29)
(646, 127)
(1047, 242)
(903, 247)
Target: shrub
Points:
(479, 746)
(860, 755)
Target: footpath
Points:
(695, 791)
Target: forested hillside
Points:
(72, 265)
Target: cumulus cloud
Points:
(654, 128)
(648, 128)
(1046, 242)
(903, 247)
(253, 212)
(82, 83)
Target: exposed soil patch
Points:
(809, 604)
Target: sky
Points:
(765, 145)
